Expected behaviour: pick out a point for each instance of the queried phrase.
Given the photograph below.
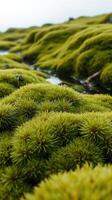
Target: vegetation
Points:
(80, 184)
(47, 129)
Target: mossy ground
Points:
(47, 129)
(81, 184)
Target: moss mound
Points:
(51, 143)
(8, 63)
(34, 99)
(106, 75)
(12, 79)
(80, 184)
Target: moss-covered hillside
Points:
(47, 129)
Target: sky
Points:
(25, 13)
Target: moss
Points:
(76, 153)
(96, 129)
(35, 146)
(11, 182)
(19, 77)
(31, 37)
(6, 63)
(31, 100)
(74, 185)
(8, 117)
(51, 142)
(106, 75)
(6, 89)
(92, 61)
(5, 45)
(35, 98)
(82, 46)
(14, 57)
(5, 150)
(71, 48)
(46, 128)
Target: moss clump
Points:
(8, 117)
(96, 129)
(82, 184)
(6, 89)
(5, 45)
(76, 153)
(11, 79)
(36, 98)
(51, 142)
(5, 150)
(11, 181)
(14, 57)
(7, 63)
(19, 77)
(106, 75)
(28, 147)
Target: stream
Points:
(69, 81)
(4, 52)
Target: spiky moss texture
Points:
(33, 99)
(81, 47)
(82, 184)
(50, 143)
(36, 98)
(12, 79)
(33, 151)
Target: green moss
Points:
(71, 48)
(33, 146)
(76, 153)
(51, 142)
(81, 46)
(8, 117)
(36, 98)
(10, 184)
(14, 57)
(92, 61)
(19, 77)
(5, 150)
(106, 75)
(46, 128)
(5, 45)
(74, 185)
(6, 63)
(12, 79)
(6, 89)
(96, 129)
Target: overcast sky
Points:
(23, 13)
